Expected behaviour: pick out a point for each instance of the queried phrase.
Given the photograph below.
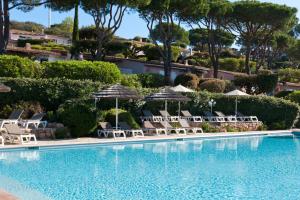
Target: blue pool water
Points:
(237, 168)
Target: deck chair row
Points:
(156, 128)
(15, 118)
(14, 134)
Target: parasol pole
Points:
(117, 105)
(179, 109)
(236, 105)
(166, 109)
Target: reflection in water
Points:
(137, 146)
(233, 143)
(198, 145)
(11, 157)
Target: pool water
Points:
(237, 168)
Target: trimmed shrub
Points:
(49, 92)
(153, 53)
(22, 43)
(98, 71)
(188, 80)
(215, 85)
(289, 75)
(230, 64)
(15, 66)
(123, 116)
(62, 133)
(131, 80)
(79, 116)
(151, 80)
(257, 84)
(283, 94)
(294, 96)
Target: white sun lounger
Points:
(171, 129)
(148, 116)
(15, 133)
(35, 120)
(128, 130)
(194, 130)
(166, 116)
(149, 127)
(227, 118)
(188, 116)
(12, 119)
(107, 129)
(243, 118)
(211, 118)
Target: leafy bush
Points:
(151, 80)
(98, 71)
(215, 85)
(188, 80)
(15, 66)
(208, 128)
(153, 53)
(123, 116)
(257, 84)
(79, 116)
(230, 64)
(282, 94)
(269, 110)
(49, 92)
(29, 108)
(294, 96)
(22, 43)
(289, 75)
(62, 133)
(131, 80)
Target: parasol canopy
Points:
(236, 93)
(4, 88)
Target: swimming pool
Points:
(236, 168)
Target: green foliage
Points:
(188, 80)
(257, 84)
(65, 28)
(29, 108)
(98, 71)
(294, 96)
(153, 52)
(131, 80)
(151, 80)
(62, 133)
(208, 128)
(79, 116)
(289, 75)
(214, 85)
(234, 64)
(260, 106)
(23, 42)
(123, 116)
(179, 35)
(15, 66)
(27, 26)
(49, 92)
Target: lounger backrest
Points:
(124, 125)
(219, 114)
(240, 114)
(183, 123)
(166, 124)
(186, 113)
(16, 114)
(105, 125)
(164, 113)
(208, 114)
(148, 124)
(13, 129)
(38, 116)
(147, 113)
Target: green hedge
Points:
(188, 80)
(274, 112)
(15, 66)
(22, 43)
(102, 71)
(261, 83)
(214, 85)
(123, 116)
(49, 92)
(151, 80)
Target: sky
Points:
(131, 26)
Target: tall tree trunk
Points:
(247, 60)
(75, 35)
(2, 46)
(167, 64)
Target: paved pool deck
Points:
(90, 141)
(6, 196)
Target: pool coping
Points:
(45, 144)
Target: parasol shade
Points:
(166, 94)
(181, 89)
(4, 88)
(117, 91)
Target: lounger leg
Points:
(2, 141)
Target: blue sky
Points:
(132, 25)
